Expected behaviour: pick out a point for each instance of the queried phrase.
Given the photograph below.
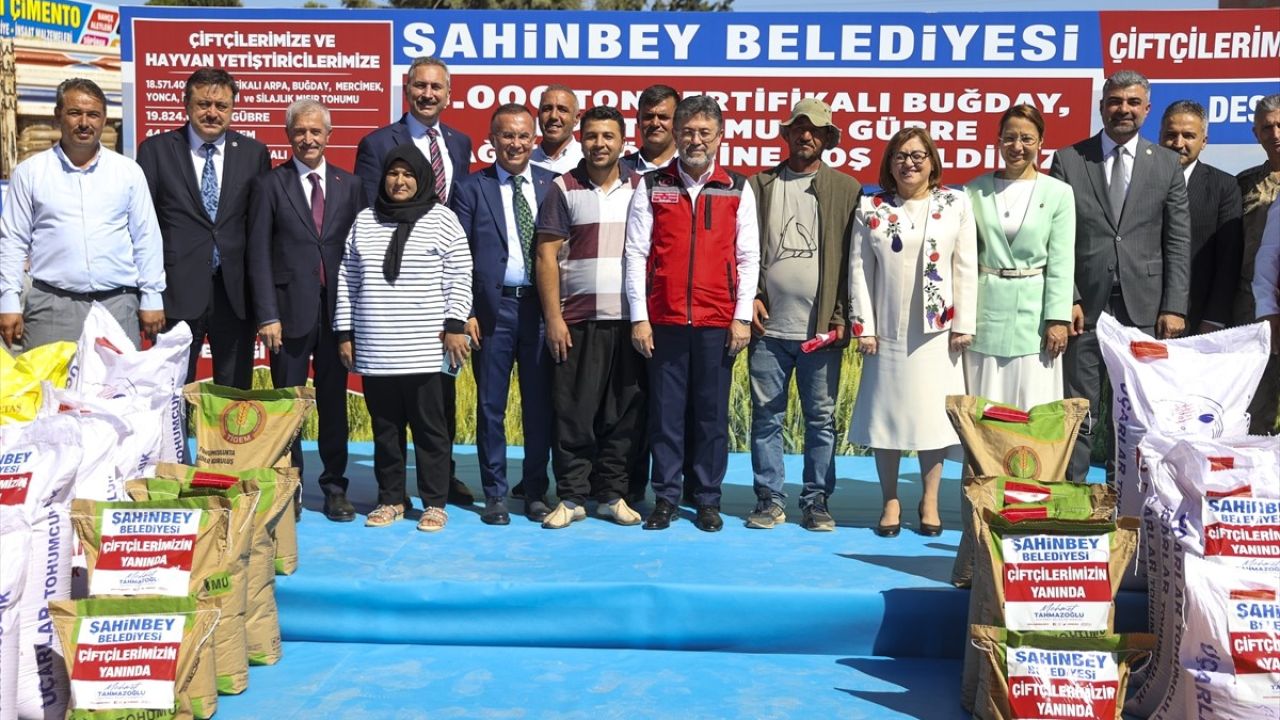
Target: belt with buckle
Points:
(94, 296)
(1011, 272)
(516, 291)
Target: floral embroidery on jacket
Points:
(937, 313)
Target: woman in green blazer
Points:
(1026, 224)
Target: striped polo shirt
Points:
(593, 222)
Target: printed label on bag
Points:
(1057, 582)
(1253, 625)
(1242, 527)
(13, 488)
(146, 552)
(127, 661)
(1062, 684)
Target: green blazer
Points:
(1012, 311)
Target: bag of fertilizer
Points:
(15, 528)
(130, 657)
(229, 590)
(141, 448)
(159, 547)
(275, 488)
(1150, 390)
(1032, 446)
(21, 378)
(1232, 629)
(38, 466)
(1044, 575)
(1209, 694)
(108, 365)
(243, 429)
(1054, 676)
(285, 533)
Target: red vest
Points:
(692, 273)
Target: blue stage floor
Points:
(603, 621)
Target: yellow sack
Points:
(20, 379)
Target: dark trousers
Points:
(317, 350)
(1085, 376)
(598, 396)
(517, 340)
(415, 401)
(1262, 411)
(690, 373)
(231, 340)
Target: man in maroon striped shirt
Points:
(597, 386)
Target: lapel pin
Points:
(1148, 151)
(236, 144)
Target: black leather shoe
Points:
(888, 531)
(460, 494)
(926, 529)
(495, 513)
(662, 516)
(536, 510)
(338, 509)
(708, 519)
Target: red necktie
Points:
(317, 214)
(437, 163)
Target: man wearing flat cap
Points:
(805, 212)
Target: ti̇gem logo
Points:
(242, 421)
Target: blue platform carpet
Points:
(602, 621)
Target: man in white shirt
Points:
(82, 216)
(558, 114)
(692, 261)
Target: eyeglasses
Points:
(915, 158)
(704, 135)
(1008, 140)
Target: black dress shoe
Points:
(888, 531)
(495, 513)
(926, 529)
(708, 519)
(338, 509)
(460, 494)
(536, 510)
(662, 516)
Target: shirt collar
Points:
(417, 129)
(504, 177)
(70, 166)
(706, 176)
(304, 171)
(196, 143)
(1186, 171)
(1109, 145)
(564, 149)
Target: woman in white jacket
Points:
(913, 296)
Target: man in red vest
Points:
(692, 265)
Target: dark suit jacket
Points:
(1216, 244)
(189, 234)
(374, 147)
(1149, 244)
(478, 205)
(285, 251)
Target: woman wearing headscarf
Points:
(1026, 224)
(913, 290)
(404, 294)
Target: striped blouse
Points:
(396, 327)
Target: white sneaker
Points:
(563, 517)
(620, 512)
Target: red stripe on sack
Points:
(1241, 491)
(105, 343)
(1019, 514)
(1224, 462)
(1148, 350)
(1254, 594)
(203, 478)
(1005, 414)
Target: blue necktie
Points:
(209, 192)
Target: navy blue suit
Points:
(374, 147)
(286, 256)
(511, 332)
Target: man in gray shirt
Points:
(806, 214)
